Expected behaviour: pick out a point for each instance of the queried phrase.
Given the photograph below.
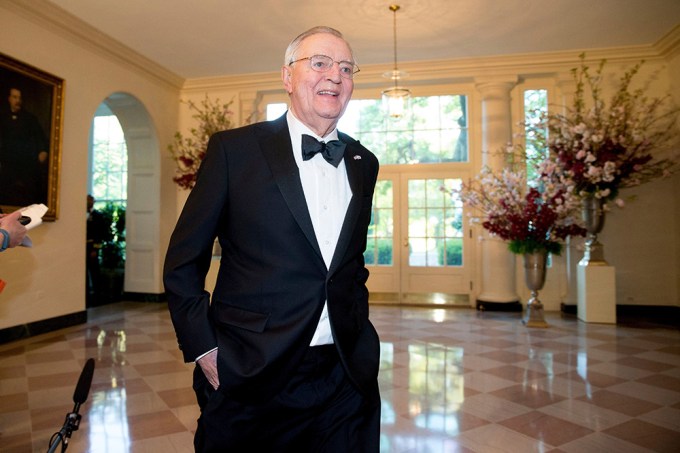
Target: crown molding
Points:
(50, 16)
(669, 44)
(468, 70)
(263, 81)
(465, 70)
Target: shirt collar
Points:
(297, 128)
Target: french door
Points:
(419, 240)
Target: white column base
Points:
(597, 293)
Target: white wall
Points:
(48, 280)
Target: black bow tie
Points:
(331, 151)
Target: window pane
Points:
(434, 132)
(435, 223)
(435, 253)
(109, 160)
(454, 252)
(417, 221)
(274, 111)
(380, 237)
(535, 105)
(416, 193)
(385, 252)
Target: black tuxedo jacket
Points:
(272, 280)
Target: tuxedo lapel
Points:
(355, 176)
(278, 151)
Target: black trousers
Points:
(319, 411)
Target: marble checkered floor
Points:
(452, 380)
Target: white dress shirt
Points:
(328, 194)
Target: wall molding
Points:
(32, 329)
(638, 315)
(51, 17)
(464, 70)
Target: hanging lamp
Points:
(396, 98)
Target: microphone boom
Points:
(84, 382)
(72, 421)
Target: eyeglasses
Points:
(323, 63)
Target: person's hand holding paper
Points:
(35, 212)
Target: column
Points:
(573, 249)
(498, 286)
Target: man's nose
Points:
(333, 73)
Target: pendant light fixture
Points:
(396, 98)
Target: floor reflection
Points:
(108, 416)
(451, 380)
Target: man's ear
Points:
(286, 76)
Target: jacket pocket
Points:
(238, 317)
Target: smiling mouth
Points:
(327, 93)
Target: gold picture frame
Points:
(31, 121)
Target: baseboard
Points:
(484, 305)
(648, 315)
(638, 315)
(568, 309)
(144, 297)
(39, 327)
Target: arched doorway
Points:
(142, 267)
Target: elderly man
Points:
(287, 359)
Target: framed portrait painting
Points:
(31, 105)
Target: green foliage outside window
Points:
(435, 131)
(379, 248)
(535, 106)
(109, 160)
(451, 254)
(109, 185)
(112, 253)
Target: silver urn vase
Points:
(593, 217)
(534, 277)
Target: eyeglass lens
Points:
(323, 63)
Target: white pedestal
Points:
(597, 293)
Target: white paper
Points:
(36, 213)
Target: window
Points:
(108, 182)
(436, 131)
(435, 223)
(381, 230)
(276, 110)
(535, 106)
(109, 161)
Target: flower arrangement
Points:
(594, 149)
(602, 146)
(533, 218)
(188, 152)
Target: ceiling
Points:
(207, 38)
